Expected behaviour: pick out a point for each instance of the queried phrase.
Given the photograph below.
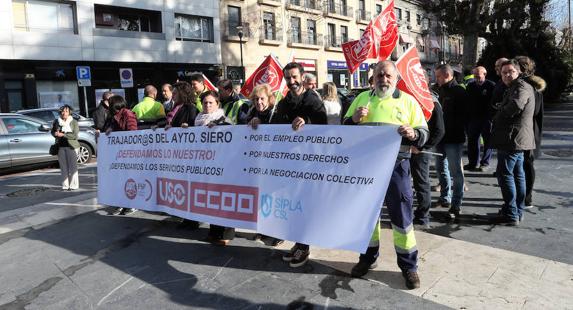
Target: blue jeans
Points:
(447, 166)
(511, 180)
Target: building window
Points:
(127, 19)
(193, 28)
(361, 32)
(15, 91)
(343, 34)
(269, 26)
(234, 20)
(295, 29)
(418, 19)
(408, 16)
(378, 9)
(332, 35)
(311, 31)
(398, 12)
(44, 16)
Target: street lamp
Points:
(240, 33)
(443, 53)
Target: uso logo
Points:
(130, 189)
(172, 193)
(226, 201)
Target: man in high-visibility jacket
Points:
(198, 84)
(386, 105)
(235, 108)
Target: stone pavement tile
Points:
(461, 274)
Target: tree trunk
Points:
(470, 49)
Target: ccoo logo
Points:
(172, 193)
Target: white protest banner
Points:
(322, 185)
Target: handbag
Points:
(54, 148)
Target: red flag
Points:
(385, 32)
(414, 80)
(269, 72)
(377, 41)
(208, 83)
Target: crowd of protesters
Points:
(505, 116)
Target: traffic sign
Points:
(126, 77)
(84, 76)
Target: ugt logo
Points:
(172, 193)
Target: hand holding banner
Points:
(414, 81)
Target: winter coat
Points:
(123, 120)
(265, 116)
(185, 114)
(100, 116)
(453, 99)
(479, 99)
(435, 125)
(513, 122)
(539, 85)
(308, 106)
(70, 138)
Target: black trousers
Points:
(420, 168)
(529, 168)
(221, 232)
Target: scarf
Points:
(203, 119)
(65, 124)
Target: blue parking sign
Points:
(84, 75)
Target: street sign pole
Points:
(86, 102)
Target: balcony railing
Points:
(338, 8)
(307, 38)
(335, 41)
(308, 4)
(363, 15)
(271, 33)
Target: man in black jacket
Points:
(453, 99)
(101, 112)
(479, 93)
(297, 108)
(420, 164)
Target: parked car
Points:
(50, 114)
(26, 140)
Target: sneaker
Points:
(126, 211)
(483, 168)
(436, 188)
(454, 213)
(276, 242)
(287, 257)
(528, 206)
(412, 279)
(466, 188)
(505, 220)
(115, 211)
(300, 257)
(362, 268)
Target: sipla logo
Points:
(226, 201)
(172, 193)
(266, 205)
(130, 189)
